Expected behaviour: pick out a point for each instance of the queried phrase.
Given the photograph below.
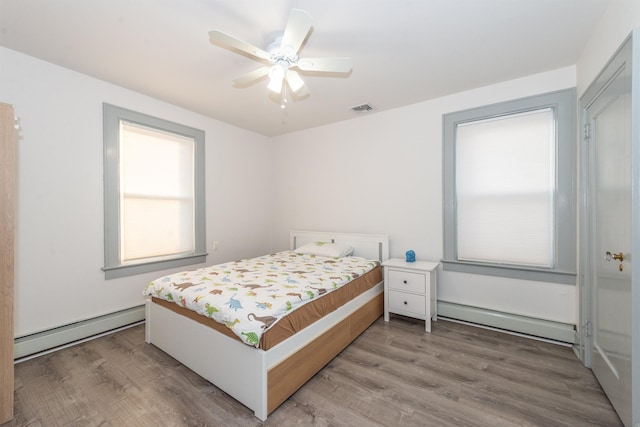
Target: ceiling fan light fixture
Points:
(276, 77)
(283, 55)
(294, 80)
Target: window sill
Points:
(512, 272)
(116, 272)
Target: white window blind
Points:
(505, 189)
(157, 193)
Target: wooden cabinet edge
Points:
(7, 236)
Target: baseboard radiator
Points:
(65, 335)
(29, 345)
(556, 331)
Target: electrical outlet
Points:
(214, 245)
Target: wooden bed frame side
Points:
(262, 380)
(289, 375)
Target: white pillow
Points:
(327, 249)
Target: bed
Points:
(263, 378)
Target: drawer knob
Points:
(405, 303)
(404, 281)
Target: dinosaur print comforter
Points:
(249, 296)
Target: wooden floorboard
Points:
(393, 374)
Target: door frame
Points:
(585, 220)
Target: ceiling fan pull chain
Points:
(283, 102)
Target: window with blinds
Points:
(157, 193)
(154, 193)
(509, 189)
(505, 189)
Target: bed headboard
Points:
(372, 246)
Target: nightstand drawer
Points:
(401, 302)
(405, 281)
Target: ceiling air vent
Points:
(362, 108)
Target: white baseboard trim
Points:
(555, 331)
(64, 335)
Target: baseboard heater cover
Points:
(556, 331)
(64, 335)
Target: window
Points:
(509, 196)
(154, 193)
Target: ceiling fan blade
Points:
(296, 31)
(225, 40)
(251, 77)
(327, 65)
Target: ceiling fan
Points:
(282, 57)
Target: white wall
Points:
(59, 241)
(307, 180)
(382, 173)
(620, 18)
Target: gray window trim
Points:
(112, 115)
(563, 271)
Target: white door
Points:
(608, 117)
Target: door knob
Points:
(618, 257)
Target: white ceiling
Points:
(403, 51)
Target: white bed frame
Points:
(259, 379)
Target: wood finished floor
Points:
(393, 374)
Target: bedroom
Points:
(253, 200)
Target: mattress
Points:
(265, 300)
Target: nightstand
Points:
(410, 289)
